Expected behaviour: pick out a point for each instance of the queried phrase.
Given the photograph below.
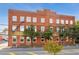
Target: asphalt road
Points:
(38, 51)
(23, 51)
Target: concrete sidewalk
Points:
(3, 45)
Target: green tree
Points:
(48, 33)
(30, 32)
(74, 31)
(64, 34)
(53, 47)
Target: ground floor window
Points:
(42, 39)
(28, 39)
(14, 39)
(22, 39)
(34, 39)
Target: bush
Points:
(52, 47)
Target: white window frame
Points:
(66, 21)
(14, 27)
(21, 28)
(14, 37)
(42, 28)
(22, 18)
(28, 19)
(27, 27)
(62, 21)
(27, 39)
(57, 29)
(35, 39)
(51, 28)
(35, 28)
(14, 18)
(57, 21)
(42, 20)
(62, 29)
(22, 37)
(50, 20)
(71, 22)
(34, 19)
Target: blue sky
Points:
(60, 8)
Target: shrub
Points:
(52, 47)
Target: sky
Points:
(60, 8)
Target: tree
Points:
(48, 33)
(30, 32)
(53, 47)
(64, 34)
(74, 31)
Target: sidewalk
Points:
(3, 45)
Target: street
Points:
(5, 50)
(36, 51)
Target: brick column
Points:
(18, 40)
(38, 40)
(10, 41)
(25, 43)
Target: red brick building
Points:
(18, 20)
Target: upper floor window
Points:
(14, 28)
(21, 28)
(35, 28)
(62, 21)
(66, 21)
(51, 29)
(50, 20)
(14, 18)
(57, 21)
(42, 28)
(57, 29)
(42, 20)
(21, 18)
(62, 29)
(71, 22)
(28, 27)
(28, 19)
(34, 19)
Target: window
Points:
(62, 21)
(28, 39)
(57, 29)
(34, 19)
(35, 28)
(62, 29)
(51, 29)
(57, 21)
(50, 20)
(42, 20)
(14, 18)
(21, 18)
(14, 28)
(21, 28)
(66, 21)
(71, 22)
(28, 19)
(42, 28)
(42, 39)
(14, 39)
(34, 39)
(22, 40)
(28, 27)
